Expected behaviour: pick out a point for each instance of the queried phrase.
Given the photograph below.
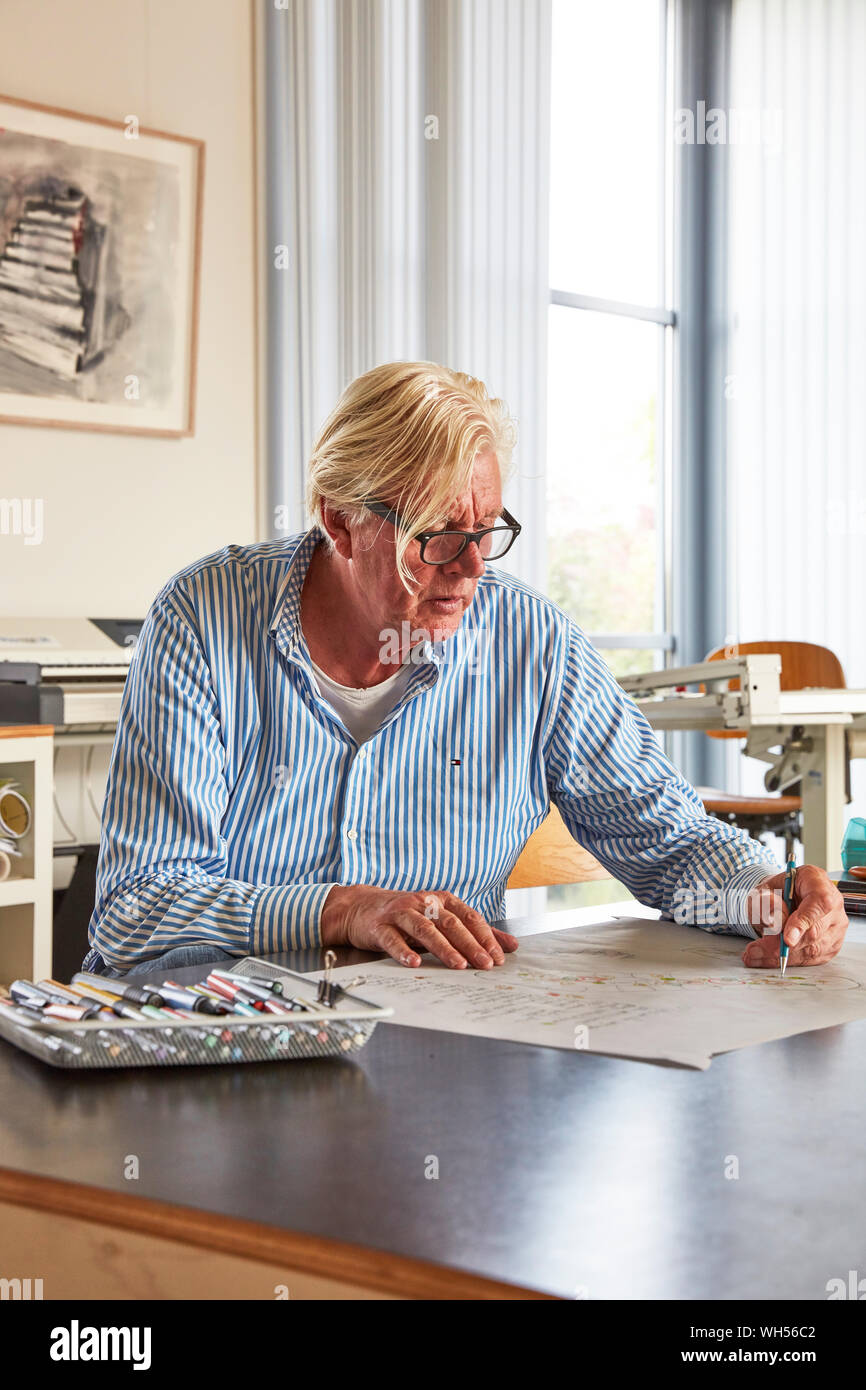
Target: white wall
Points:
(123, 513)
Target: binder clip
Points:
(329, 990)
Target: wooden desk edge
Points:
(331, 1259)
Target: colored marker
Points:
(61, 991)
(24, 1013)
(162, 1012)
(252, 989)
(30, 1018)
(245, 1008)
(118, 1007)
(74, 1013)
(221, 980)
(224, 989)
(238, 996)
(134, 993)
(241, 992)
(255, 984)
(25, 992)
(235, 1005)
(184, 998)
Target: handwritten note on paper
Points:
(629, 988)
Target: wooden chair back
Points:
(551, 855)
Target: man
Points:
(348, 736)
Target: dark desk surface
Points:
(575, 1174)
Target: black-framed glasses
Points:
(441, 547)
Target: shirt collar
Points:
(285, 624)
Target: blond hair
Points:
(407, 433)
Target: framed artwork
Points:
(100, 243)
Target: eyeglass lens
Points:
(447, 546)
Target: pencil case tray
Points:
(200, 1040)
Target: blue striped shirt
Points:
(236, 797)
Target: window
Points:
(610, 338)
(610, 327)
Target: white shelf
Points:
(17, 890)
(27, 753)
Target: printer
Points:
(68, 672)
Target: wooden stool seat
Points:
(728, 803)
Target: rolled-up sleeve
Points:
(162, 871)
(624, 801)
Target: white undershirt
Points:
(362, 711)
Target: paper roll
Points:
(14, 812)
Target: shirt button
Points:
(353, 834)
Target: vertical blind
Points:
(405, 175)
(796, 392)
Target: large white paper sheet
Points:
(628, 988)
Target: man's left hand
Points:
(814, 930)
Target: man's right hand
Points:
(404, 924)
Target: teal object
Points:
(854, 843)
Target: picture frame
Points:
(100, 268)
